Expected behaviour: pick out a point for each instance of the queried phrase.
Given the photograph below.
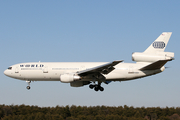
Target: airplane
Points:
(78, 74)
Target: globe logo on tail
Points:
(159, 45)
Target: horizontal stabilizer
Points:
(156, 65)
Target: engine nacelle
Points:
(79, 83)
(146, 57)
(67, 78)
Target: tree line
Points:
(26, 112)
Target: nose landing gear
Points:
(28, 87)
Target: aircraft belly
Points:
(38, 75)
(116, 75)
(123, 75)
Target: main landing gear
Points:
(28, 87)
(96, 87)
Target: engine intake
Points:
(67, 78)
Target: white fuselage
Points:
(47, 71)
(78, 74)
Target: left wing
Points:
(104, 69)
(156, 65)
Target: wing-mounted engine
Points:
(147, 57)
(81, 78)
(79, 83)
(67, 78)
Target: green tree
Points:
(138, 114)
(57, 117)
(113, 117)
(7, 110)
(164, 118)
(99, 117)
(39, 116)
(66, 112)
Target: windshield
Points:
(9, 68)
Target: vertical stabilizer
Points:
(159, 44)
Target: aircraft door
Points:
(131, 71)
(46, 73)
(17, 70)
(45, 70)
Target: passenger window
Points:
(41, 65)
(21, 65)
(32, 65)
(27, 66)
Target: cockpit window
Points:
(9, 68)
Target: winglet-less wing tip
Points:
(117, 61)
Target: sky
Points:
(88, 31)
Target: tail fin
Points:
(159, 44)
(155, 51)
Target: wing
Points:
(104, 69)
(155, 65)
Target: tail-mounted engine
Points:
(147, 57)
(67, 78)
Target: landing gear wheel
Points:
(96, 88)
(28, 87)
(91, 86)
(101, 89)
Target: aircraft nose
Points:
(5, 72)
